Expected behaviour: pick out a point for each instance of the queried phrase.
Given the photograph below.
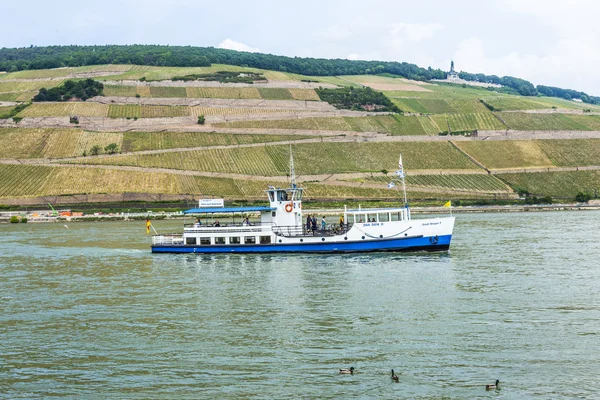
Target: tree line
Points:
(526, 88)
(186, 56)
(18, 59)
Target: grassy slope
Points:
(556, 184)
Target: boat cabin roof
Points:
(214, 210)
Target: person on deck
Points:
(308, 222)
(323, 223)
(313, 222)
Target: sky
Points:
(548, 42)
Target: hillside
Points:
(142, 138)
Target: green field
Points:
(556, 184)
(167, 91)
(64, 109)
(502, 154)
(456, 182)
(5, 111)
(275, 94)
(311, 158)
(136, 111)
(571, 152)
(549, 122)
(392, 124)
(20, 181)
(7, 87)
(223, 93)
(52, 143)
(439, 106)
(140, 141)
(467, 122)
(509, 103)
(124, 111)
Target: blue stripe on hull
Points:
(409, 244)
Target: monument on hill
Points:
(452, 75)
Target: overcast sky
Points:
(547, 42)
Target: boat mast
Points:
(292, 170)
(401, 175)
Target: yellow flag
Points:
(148, 226)
(448, 204)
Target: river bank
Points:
(49, 216)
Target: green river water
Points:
(88, 312)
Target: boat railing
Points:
(167, 239)
(330, 230)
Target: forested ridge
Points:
(17, 59)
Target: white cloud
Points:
(239, 46)
(415, 32)
(568, 63)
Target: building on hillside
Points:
(452, 75)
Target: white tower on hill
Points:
(452, 75)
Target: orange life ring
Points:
(289, 207)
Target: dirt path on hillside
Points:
(218, 103)
(215, 84)
(553, 111)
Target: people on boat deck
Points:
(313, 223)
(323, 223)
(308, 223)
(246, 222)
(341, 221)
(216, 223)
(198, 223)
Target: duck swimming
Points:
(395, 377)
(496, 386)
(347, 370)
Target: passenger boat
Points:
(282, 228)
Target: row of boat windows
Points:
(207, 241)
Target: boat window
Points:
(271, 196)
(249, 240)
(190, 240)
(219, 240)
(384, 217)
(234, 240)
(265, 239)
(273, 214)
(205, 241)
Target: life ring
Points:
(289, 207)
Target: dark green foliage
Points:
(567, 94)
(538, 200)
(111, 148)
(582, 197)
(201, 119)
(186, 56)
(488, 106)
(523, 87)
(14, 219)
(95, 150)
(223, 77)
(70, 89)
(363, 99)
(11, 114)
